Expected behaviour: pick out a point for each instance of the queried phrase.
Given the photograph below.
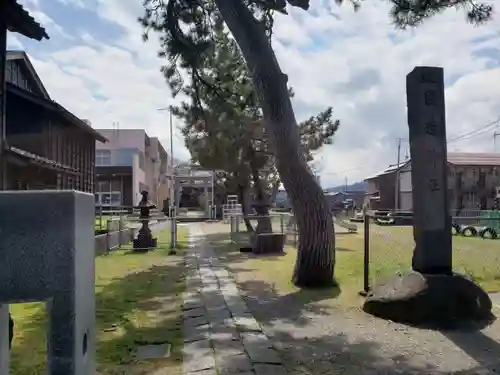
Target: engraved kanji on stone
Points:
(431, 127)
(433, 185)
(431, 97)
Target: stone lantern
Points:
(145, 240)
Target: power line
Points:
(461, 137)
(478, 131)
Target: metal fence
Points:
(121, 232)
(388, 248)
(281, 223)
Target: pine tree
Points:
(187, 40)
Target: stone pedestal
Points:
(48, 255)
(440, 300)
(268, 243)
(432, 293)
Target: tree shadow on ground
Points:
(140, 307)
(316, 340)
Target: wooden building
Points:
(47, 147)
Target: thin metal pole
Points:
(3, 97)
(212, 208)
(173, 214)
(366, 253)
(396, 192)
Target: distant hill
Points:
(357, 186)
(282, 198)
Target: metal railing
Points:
(388, 248)
(281, 223)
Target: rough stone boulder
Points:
(268, 243)
(419, 299)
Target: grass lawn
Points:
(138, 301)
(390, 251)
(101, 222)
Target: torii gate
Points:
(191, 176)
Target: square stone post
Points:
(47, 255)
(429, 171)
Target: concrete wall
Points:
(122, 138)
(138, 179)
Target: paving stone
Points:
(218, 315)
(214, 302)
(259, 348)
(230, 291)
(153, 351)
(247, 324)
(209, 288)
(202, 372)
(193, 322)
(226, 334)
(197, 356)
(227, 347)
(239, 309)
(196, 333)
(267, 369)
(234, 364)
(224, 326)
(234, 299)
(194, 313)
(222, 273)
(192, 304)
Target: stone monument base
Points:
(422, 299)
(268, 243)
(144, 243)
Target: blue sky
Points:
(97, 65)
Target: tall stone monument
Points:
(429, 173)
(47, 242)
(431, 293)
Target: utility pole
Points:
(396, 193)
(495, 135)
(345, 186)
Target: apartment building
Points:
(473, 183)
(129, 163)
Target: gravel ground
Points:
(314, 340)
(319, 339)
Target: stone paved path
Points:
(220, 334)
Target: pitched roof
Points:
(23, 58)
(43, 97)
(455, 158)
(390, 169)
(20, 21)
(474, 158)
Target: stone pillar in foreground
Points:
(429, 176)
(430, 293)
(47, 255)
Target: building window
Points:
(106, 195)
(141, 160)
(481, 182)
(458, 180)
(103, 158)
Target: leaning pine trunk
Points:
(264, 224)
(315, 256)
(242, 197)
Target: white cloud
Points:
(353, 61)
(13, 42)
